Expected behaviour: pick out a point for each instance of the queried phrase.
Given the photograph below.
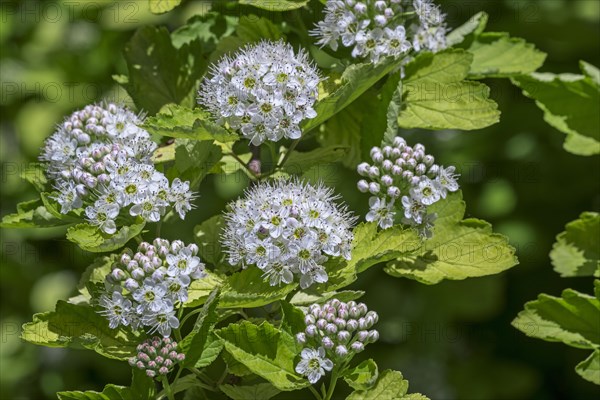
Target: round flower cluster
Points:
(288, 228)
(382, 28)
(408, 174)
(144, 289)
(156, 356)
(334, 331)
(265, 91)
(100, 159)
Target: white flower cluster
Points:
(99, 158)
(405, 176)
(157, 356)
(334, 331)
(145, 288)
(382, 28)
(288, 228)
(265, 91)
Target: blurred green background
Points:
(452, 341)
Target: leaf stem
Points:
(332, 383)
(194, 312)
(167, 387)
(242, 163)
(289, 152)
(315, 393)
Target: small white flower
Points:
(103, 216)
(162, 321)
(116, 308)
(381, 212)
(427, 192)
(265, 92)
(286, 228)
(314, 364)
(447, 180)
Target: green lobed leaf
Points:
(210, 352)
(468, 31)
(250, 28)
(355, 80)
(110, 392)
(298, 163)
(248, 289)
(497, 55)
(194, 160)
(275, 5)
(292, 318)
(436, 96)
(391, 385)
(570, 104)
(363, 376)
(573, 318)
(185, 123)
(160, 73)
(384, 120)
(208, 238)
(33, 214)
(302, 298)
(94, 273)
(193, 344)
(577, 249)
(459, 248)
(260, 391)
(589, 369)
(80, 326)
(343, 129)
(200, 289)
(162, 6)
(35, 174)
(266, 351)
(92, 239)
(371, 246)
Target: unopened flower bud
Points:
(327, 342)
(396, 170)
(393, 192)
(374, 188)
(407, 175)
(118, 274)
(311, 330)
(341, 350)
(362, 335)
(357, 347)
(373, 336)
(373, 172)
(321, 323)
(387, 165)
(138, 274)
(150, 373)
(399, 142)
(163, 370)
(380, 5)
(301, 338)
(363, 169)
(331, 329)
(362, 324)
(373, 315)
(360, 8)
(420, 169)
(381, 20)
(343, 336)
(354, 312)
(428, 160)
(352, 325)
(309, 319)
(387, 180)
(131, 284)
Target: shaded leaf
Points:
(570, 104)
(92, 239)
(577, 249)
(80, 326)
